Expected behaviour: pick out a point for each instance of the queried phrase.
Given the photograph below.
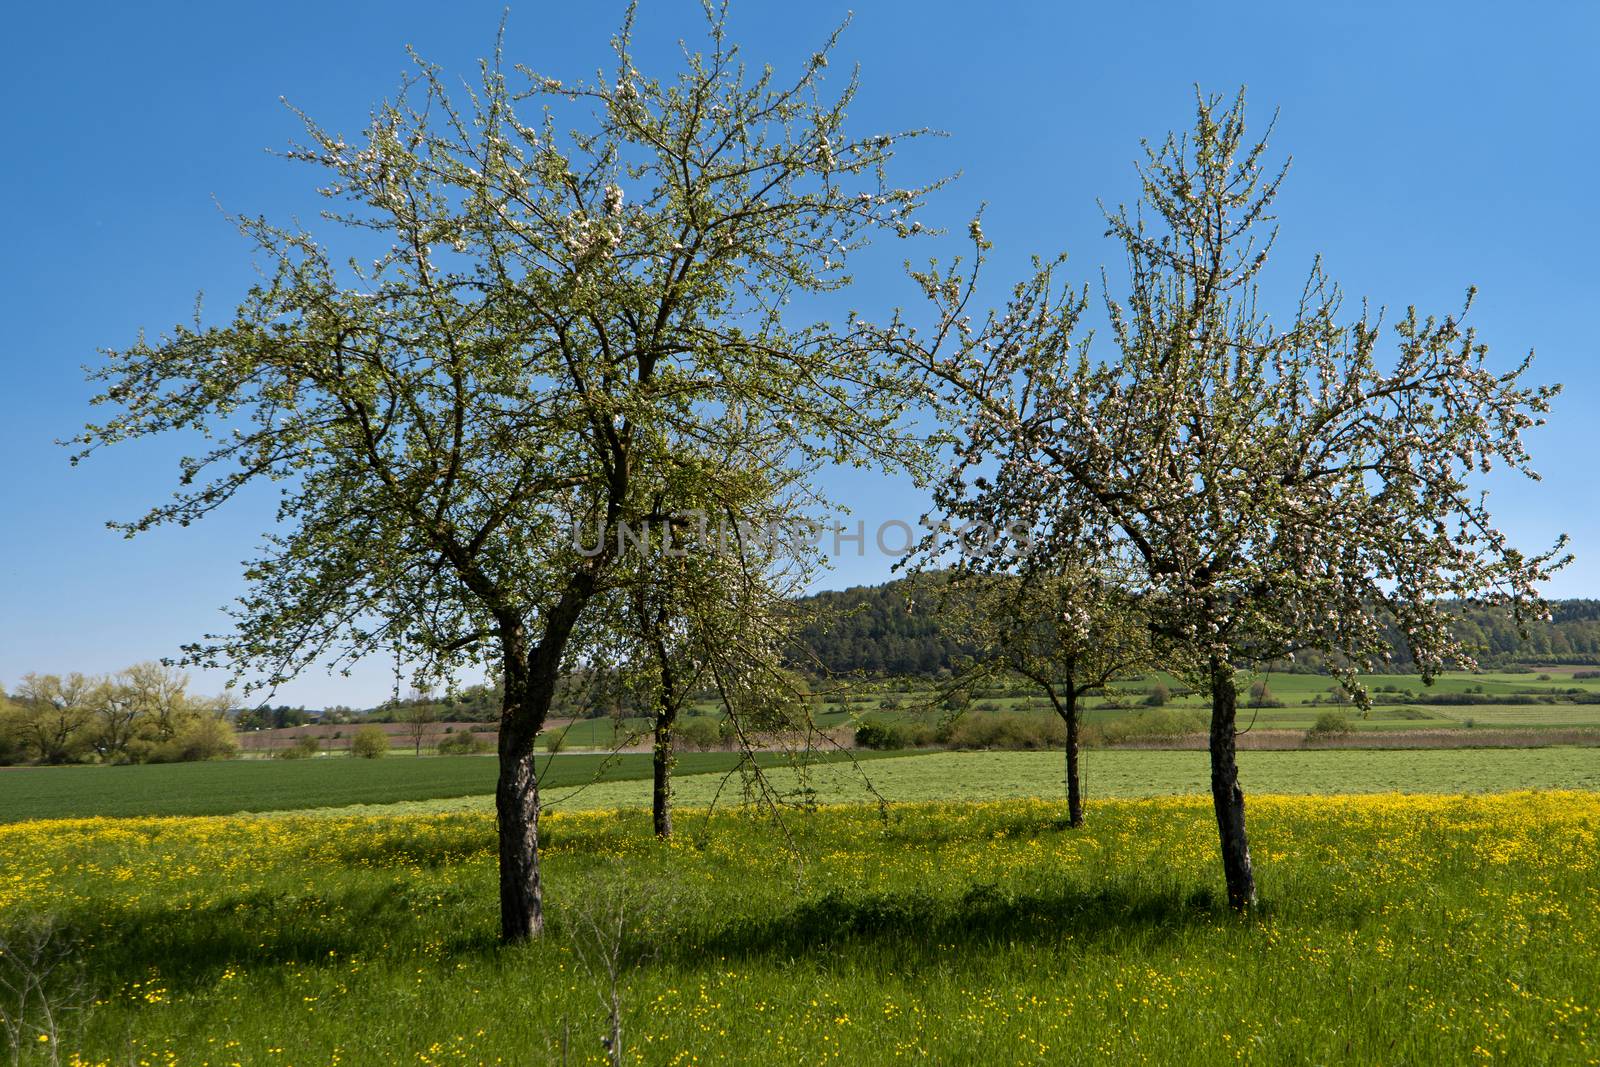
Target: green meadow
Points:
(1416, 930)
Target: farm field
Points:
(604, 734)
(583, 780)
(1420, 930)
(1299, 717)
(1525, 702)
(229, 786)
(1548, 699)
(1113, 773)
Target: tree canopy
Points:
(539, 288)
(1273, 482)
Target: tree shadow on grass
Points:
(986, 915)
(191, 946)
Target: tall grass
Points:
(1418, 929)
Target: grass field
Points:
(1393, 929)
(1113, 773)
(465, 783)
(222, 788)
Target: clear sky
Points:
(1435, 146)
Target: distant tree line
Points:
(891, 630)
(144, 714)
(472, 703)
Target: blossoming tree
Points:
(1272, 482)
(710, 605)
(1068, 628)
(524, 318)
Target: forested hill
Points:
(881, 629)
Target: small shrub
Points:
(462, 744)
(369, 742)
(304, 747)
(555, 740)
(1329, 724)
(891, 736)
(699, 732)
(877, 735)
(1158, 696)
(1261, 696)
(1011, 732)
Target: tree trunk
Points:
(670, 700)
(516, 804)
(1065, 701)
(1074, 790)
(1226, 796)
(661, 796)
(530, 679)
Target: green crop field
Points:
(1114, 773)
(1417, 930)
(1528, 700)
(454, 783)
(590, 780)
(225, 787)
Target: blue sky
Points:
(1434, 147)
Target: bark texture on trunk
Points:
(1226, 796)
(669, 701)
(516, 802)
(1074, 790)
(661, 794)
(530, 678)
